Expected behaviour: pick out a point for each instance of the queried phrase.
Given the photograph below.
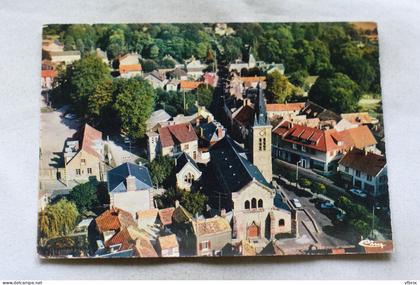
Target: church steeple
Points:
(260, 138)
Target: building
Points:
(168, 246)
(175, 139)
(364, 170)
(84, 156)
(194, 68)
(317, 148)
(147, 218)
(186, 171)
(172, 85)
(210, 78)
(237, 185)
(260, 138)
(178, 74)
(210, 235)
(130, 188)
(156, 118)
(156, 79)
(65, 57)
(129, 65)
(362, 118)
(187, 85)
(211, 132)
(283, 110)
(165, 217)
(48, 74)
(51, 45)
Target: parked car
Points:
(327, 205)
(358, 192)
(70, 116)
(297, 203)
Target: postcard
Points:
(214, 139)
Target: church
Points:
(242, 183)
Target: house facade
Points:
(129, 66)
(168, 246)
(84, 157)
(316, 148)
(66, 57)
(364, 170)
(130, 188)
(156, 79)
(186, 171)
(172, 140)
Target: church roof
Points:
(260, 110)
(232, 168)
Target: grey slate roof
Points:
(210, 130)
(232, 168)
(183, 159)
(260, 110)
(279, 203)
(117, 177)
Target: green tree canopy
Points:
(57, 219)
(205, 95)
(83, 77)
(84, 196)
(337, 92)
(161, 169)
(134, 104)
(278, 87)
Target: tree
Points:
(57, 219)
(101, 99)
(336, 92)
(149, 65)
(83, 78)
(205, 95)
(298, 78)
(320, 188)
(161, 169)
(278, 87)
(194, 201)
(134, 104)
(83, 196)
(102, 193)
(305, 183)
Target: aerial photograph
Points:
(211, 139)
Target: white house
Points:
(130, 188)
(187, 171)
(364, 170)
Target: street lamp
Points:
(297, 171)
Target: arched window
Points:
(260, 203)
(281, 222)
(246, 204)
(253, 203)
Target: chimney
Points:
(223, 213)
(131, 183)
(189, 127)
(366, 151)
(176, 203)
(219, 132)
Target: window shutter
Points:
(200, 246)
(209, 245)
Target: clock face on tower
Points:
(262, 133)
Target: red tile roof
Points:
(325, 140)
(90, 135)
(366, 162)
(122, 237)
(359, 137)
(165, 216)
(129, 68)
(191, 85)
(358, 118)
(285, 107)
(176, 134)
(48, 73)
(314, 138)
(245, 115)
(252, 79)
(167, 242)
(144, 248)
(113, 219)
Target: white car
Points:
(297, 203)
(70, 116)
(359, 192)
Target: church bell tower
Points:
(260, 138)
